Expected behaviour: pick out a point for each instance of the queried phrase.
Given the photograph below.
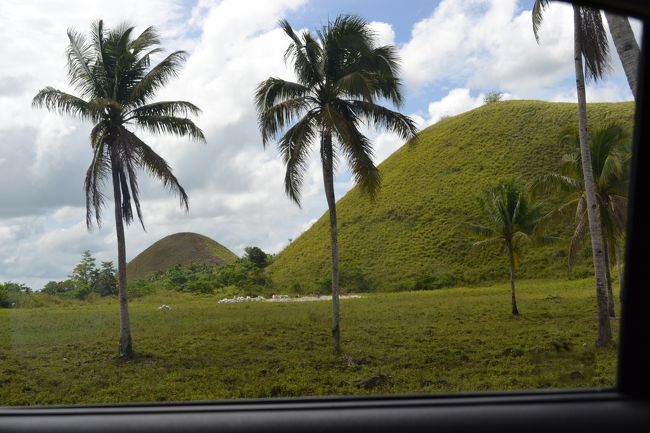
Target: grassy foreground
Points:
(450, 340)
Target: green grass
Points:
(177, 249)
(417, 227)
(448, 340)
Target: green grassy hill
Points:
(416, 231)
(177, 249)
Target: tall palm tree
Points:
(510, 221)
(626, 47)
(341, 74)
(112, 73)
(610, 154)
(590, 43)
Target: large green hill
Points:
(177, 249)
(416, 230)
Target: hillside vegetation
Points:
(414, 235)
(178, 249)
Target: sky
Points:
(452, 53)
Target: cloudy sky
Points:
(452, 51)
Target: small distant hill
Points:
(177, 249)
(415, 232)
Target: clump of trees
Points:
(11, 293)
(86, 279)
(245, 275)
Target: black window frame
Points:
(625, 408)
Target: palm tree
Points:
(626, 47)
(610, 154)
(510, 221)
(340, 74)
(112, 73)
(590, 43)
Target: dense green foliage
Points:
(177, 249)
(449, 340)
(86, 279)
(11, 293)
(415, 230)
(243, 276)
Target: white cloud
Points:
(384, 33)
(495, 47)
(457, 101)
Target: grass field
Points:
(461, 339)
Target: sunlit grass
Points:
(417, 226)
(449, 340)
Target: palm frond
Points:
(595, 48)
(80, 57)
(538, 16)
(156, 78)
(342, 121)
(551, 183)
(164, 108)
(156, 165)
(306, 55)
(294, 147)
(381, 117)
(576, 241)
(96, 176)
(64, 103)
(170, 125)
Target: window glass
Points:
(209, 200)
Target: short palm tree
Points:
(590, 44)
(610, 154)
(112, 73)
(341, 74)
(510, 221)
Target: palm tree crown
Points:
(340, 76)
(610, 155)
(113, 76)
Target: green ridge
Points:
(177, 249)
(416, 228)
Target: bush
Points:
(493, 96)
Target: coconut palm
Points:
(626, 47)
(341, 74)
(590, 43)
(510, 222)
(112, 73)
(610, 155)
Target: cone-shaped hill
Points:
(415, 234)
(177, 249)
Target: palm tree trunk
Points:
(610, 293)
(328, 180)
(619, 271)
(604, 328)
(626, 47)
(515, 311)
(125, 347)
